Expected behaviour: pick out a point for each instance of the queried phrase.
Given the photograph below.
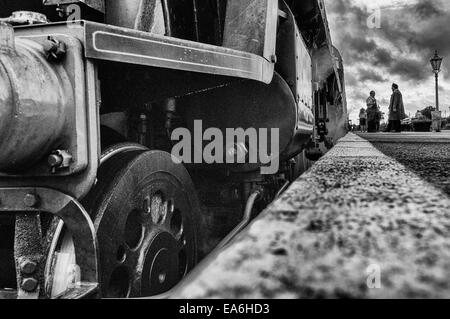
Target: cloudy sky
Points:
(396, 48)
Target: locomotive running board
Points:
(111, 43)
(106, 42)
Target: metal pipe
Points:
(143, 123)
(437, 91)
(167, 20)
(245, 219)
(219, 23)
(197, 35)
(282, 189)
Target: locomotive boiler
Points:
(95, 96)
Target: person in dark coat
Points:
(372, 113)
(363, 120)
(378, 122)
(396, 110)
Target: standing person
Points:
(396, 110)
(363, 120)
(378, 121)
(372, 113)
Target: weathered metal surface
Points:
(84, 125)
(28, 254)
(292, 51)
(200, 58)
(146, 217)
(35, 97)
(44, 80)
(8, 294)
(128, 46)
(247, 105)
(6, 38)
(98, 5)
(311, 17)
(142, 15)
(74, 216)
(336, 103)
(251, 26)
(25, 17)
(76, 30)
(84, 291)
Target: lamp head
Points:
(436, 62)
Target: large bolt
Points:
(29, 284)
(31, 200)
(28, 267)
(55, 160)
(54, 49)
(273, 58)
(59, 159)
(162, 278)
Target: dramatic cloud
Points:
(385, 41)
(370, 75)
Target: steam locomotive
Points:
(93, 201)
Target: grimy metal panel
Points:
(251, 26)
(95, 4)
(330, 45)
(118, 44)
(49, 103)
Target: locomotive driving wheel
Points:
(145, 212)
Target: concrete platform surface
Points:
(358, 224)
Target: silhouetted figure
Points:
(372, 113)
(378, 122)
(396, 110)
(363, 120)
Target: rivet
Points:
(29, 284)
(28, 267)
(31, 200)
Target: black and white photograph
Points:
(249, 152)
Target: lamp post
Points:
(436, 62)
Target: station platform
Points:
(358, 224)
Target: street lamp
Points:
(436, 117)
(436, 62)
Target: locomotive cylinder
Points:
(34, 96)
